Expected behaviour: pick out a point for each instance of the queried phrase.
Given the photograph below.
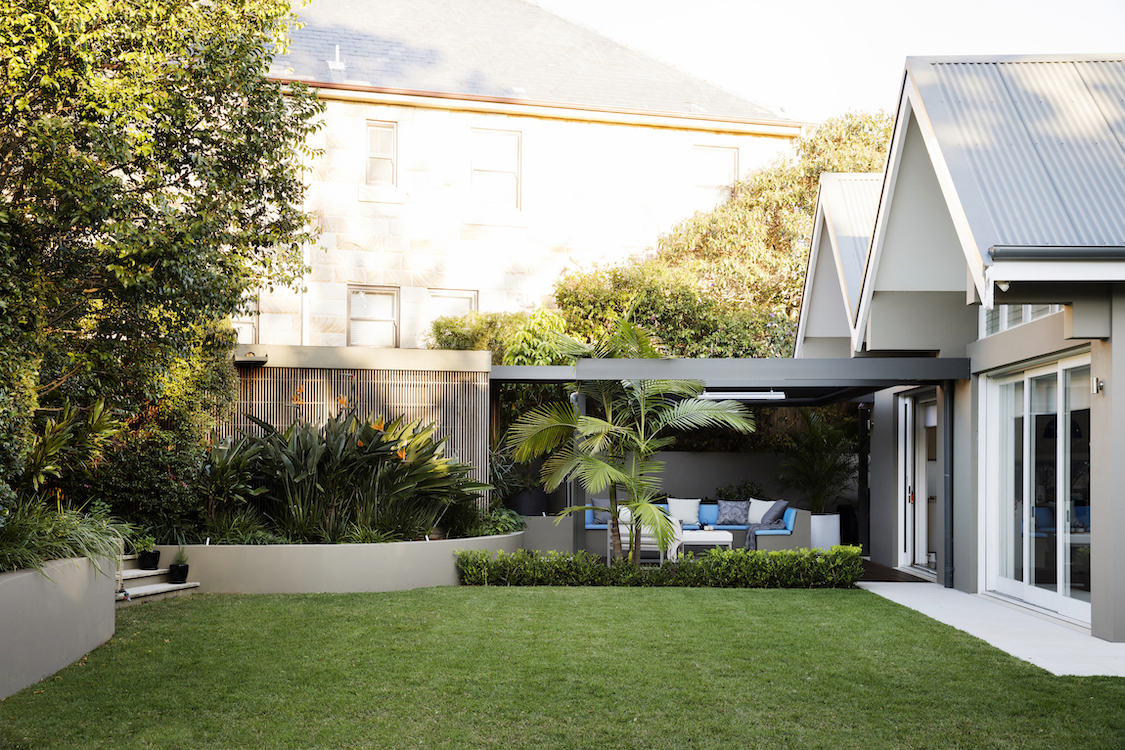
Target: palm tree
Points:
(614, 447)
(820, 461)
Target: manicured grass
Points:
(555, 668)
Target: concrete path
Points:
(1055, 646)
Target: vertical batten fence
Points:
(449, 389)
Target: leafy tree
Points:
(727, 283)
(820, 460)
(150, 174)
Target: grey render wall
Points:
(49, 621)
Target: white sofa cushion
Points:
(686, 510)
(758, 509)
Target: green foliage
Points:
(728, 283)
(535, 341)
(238, 525)
(670, 302)
(613, 445)
(334, 483)
(150, 174)
(476, 331)
(181, 557)
(33, 534)
(839, 567)
(745, 489)
(67, 448)
(820, 461)
(499, 520)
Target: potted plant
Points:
(178, 570)
(820, 463)
(515, 484)
(148, 557)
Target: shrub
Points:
(839, 567)
(476, 331)
(32, 534)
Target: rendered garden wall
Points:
(51, 619)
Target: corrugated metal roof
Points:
(1040, 142)
(850, 203)
(490, 48)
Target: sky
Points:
(813, 59)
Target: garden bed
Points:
(332, 568)
(53, 618)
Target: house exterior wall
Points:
(588, 193)
(886, 537)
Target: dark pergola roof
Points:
(805, 382)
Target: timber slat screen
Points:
(456, 401)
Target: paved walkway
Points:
(1057, 647)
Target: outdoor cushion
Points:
(733, 512)
(758, 509)
(790, 524)
(776, 512)
(684, 509)
(600, 516)
(708, 514)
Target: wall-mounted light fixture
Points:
(1096, 385)
(770, 395)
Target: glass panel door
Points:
(1044, 453)
(1011, 481)
(1075, 532)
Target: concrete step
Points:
(130, 574)
(151, 592)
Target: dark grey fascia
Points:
(1056, 252)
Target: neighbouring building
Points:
(474, 151)
(997, 236)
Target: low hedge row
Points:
(840, 567)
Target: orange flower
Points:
(342, 400)
(298, 397)
(359, 443)
(402, 453)
(378, 424)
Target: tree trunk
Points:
(615, 527)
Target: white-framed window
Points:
(373, 316)
(448, 302)
(496, 169)
(1004, 317)
(246, 322)
(382, 142)
(715, 170)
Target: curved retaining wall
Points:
(51, 619)
(330, 568)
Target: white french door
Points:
(918, 481)
(1038, 486)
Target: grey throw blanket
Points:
(752, 538)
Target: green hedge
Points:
(840, 567)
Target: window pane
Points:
(992, 321)
(380, 171)
(373, 305)
(495, 190)
(1044, 445)
(715, 166)
(372, 333)
(1038, 311)
(442, 305)
(496, 151)
(380, 140)
(1076, 484)
(1011, 481)
(1014, 314)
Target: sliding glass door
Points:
(1038, 476)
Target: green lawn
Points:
(555, 668)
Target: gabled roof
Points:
(1025, 154)
(845, 217)
(500, 49)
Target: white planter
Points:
(825, 530)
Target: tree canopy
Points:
(150, 174)
(727, 283)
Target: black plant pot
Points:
(149, 560)
(529, 502)
(177, 573)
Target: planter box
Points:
(332, 568)
(52, 620)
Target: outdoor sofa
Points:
(797, 533)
